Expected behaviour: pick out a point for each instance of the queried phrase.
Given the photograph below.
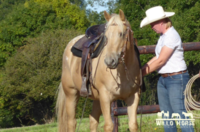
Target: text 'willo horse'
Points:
(116, 75)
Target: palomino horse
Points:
(116, 75)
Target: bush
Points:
(31, 78)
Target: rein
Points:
(127, 39)
(123, 53)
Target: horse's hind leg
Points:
(72, 97)
(94, 116)
(132, 103)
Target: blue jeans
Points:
(171, 99)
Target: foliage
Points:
(6, 7)
(95, 18)
(29, 19)
(32, 76)
(80, 3)
(64, 8)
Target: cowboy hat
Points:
(154, 14)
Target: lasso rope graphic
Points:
(190, 102)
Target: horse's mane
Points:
(115, 19)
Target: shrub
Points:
(31, 78)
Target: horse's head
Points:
(116, 34)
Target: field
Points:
(148, 125)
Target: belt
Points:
(171, 74)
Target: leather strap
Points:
(171, 74)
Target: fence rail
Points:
(189, 46)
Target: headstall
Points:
(128, 38)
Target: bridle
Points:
(128, 38)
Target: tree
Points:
(80, 3)
(6, 7)
(29, 19)
(95, 18)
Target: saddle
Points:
(88, 48)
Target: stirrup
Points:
(83, 91)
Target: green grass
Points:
(148, 125)
(36, 128)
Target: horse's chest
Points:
(122, 90)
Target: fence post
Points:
(114, 118)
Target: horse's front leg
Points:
(105, 107)
(94, 116)
(132, 103)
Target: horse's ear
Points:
(107, 16)
(121, 14)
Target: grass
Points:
(36, 128)
(148, 125)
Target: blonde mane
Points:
(115, 19)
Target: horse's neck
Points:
(130, 56)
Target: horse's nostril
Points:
(113, 61)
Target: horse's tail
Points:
(61, 110)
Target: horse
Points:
(116, 75)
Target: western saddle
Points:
(87, 48)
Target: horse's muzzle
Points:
(112, 61)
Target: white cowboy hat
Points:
(154, 14)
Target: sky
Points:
(97, 8)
